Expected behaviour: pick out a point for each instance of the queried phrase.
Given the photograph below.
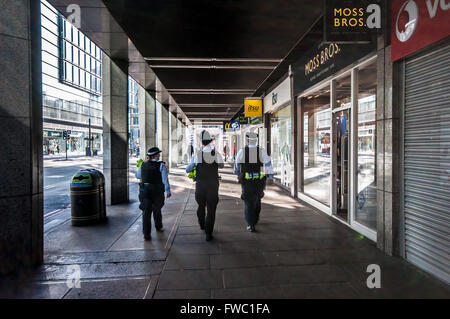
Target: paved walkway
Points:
(296, 253)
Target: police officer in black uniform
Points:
(154, 181)
(251, 163)
(207, 163)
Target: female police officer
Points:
(154, 181)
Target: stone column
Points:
(388, 146)
(21, 162)
(115, 130)
(180, 141)
(173, 140)
(158, 123)
(294, 139)
(147, 122)
(164, 135)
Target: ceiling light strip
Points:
(211, 90)
(243, 67)
(214, 60)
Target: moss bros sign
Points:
(351, 20)
(325, 59)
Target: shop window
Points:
(281, 145)
(366, 196)
(316, 115)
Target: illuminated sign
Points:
(351, 20)
(321, 57)
(417, 24)
(324, 60)
(253, 107)
(231, 126)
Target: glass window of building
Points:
(366, 196)
(316, 115)
(281, 145)
(68, 101)
(78, 55)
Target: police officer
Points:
(207, 163)
(253, 167)
(154, 181)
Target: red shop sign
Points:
(416, 24)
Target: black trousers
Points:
(207, 197)
(252, 192)
(152, 200)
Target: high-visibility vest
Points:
(251, 176)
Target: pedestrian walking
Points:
(253, 166)
(206, 163)
(154, 182)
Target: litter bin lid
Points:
(82, 179)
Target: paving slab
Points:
(110, 289)
(190, 280)
(297, 252)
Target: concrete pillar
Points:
(115, 130)
(294, 138)
(173, 141)
(180, 141)
(147, 122)
(388, 146)
(163, 132)
(158, 107)
(21, 182)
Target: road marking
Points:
(49, 186)
(53, 212)
(55, 176)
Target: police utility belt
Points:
(147, 184)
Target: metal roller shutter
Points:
(427, 161)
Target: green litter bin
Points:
(87, 197)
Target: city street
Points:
(57, 175)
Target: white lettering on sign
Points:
(321, 58)
(433, 6)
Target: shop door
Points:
(341, 167)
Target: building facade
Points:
(71, 86)
(368, 129)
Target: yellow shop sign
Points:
(253, 107)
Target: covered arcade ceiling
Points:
(208, 54)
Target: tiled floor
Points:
(296, 253)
